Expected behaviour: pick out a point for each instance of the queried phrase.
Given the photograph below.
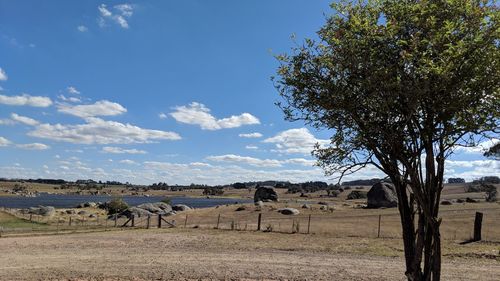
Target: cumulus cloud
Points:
(98, 131)
(99, 108)
(4, 141)
(250, 135)
(34, 146)
(3, 75)
(232, 158)
(198, 114)
(299, 141)
(162, 116)
(27, 100)
(119, 150)
(82, 28)
(24, 119)
(121, 13)
(480, 148)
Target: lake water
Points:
(71, 201)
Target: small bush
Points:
(116, 206)
(167, 200)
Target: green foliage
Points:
(116, 206)
(167, 200)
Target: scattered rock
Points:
(92, 216)
(460, 200)
(322, 203)
(289, 211)
(357, 194)
(83, 213)
(306, 206)
(259, 203)
(470, 200)
(136, 212)
(70, 212)
(382, 194)
(446, 202)
(265, 194)
(241, 208)
(323, 207)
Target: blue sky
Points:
(171, 91)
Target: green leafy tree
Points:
(400, 84)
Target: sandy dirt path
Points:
(199, 255)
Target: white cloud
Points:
(295, 141)
(7, 122)
(250, 135)
(98, 131)
(72, 90)
(122, 11)
(162, 116)
(474, 164)
(119, 150)
(34, 146)
(69, 99)
(251, 147)
(26, 99)
(99, 108)
(231, 158)
(3, 75)
(246, 160)
(82, 28)
(128, 162)
(481, 148)
(24, 119)
(198, 114)
(4, 141)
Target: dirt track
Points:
(200, 255)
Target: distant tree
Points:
(116, 206)
(239, 185)
(456, 180)
(400, 83)
(494, 151)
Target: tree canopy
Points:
(400, 84)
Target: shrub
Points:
(116, 206)
(167, 200)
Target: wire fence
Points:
(456, 225)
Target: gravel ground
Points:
(200, 255)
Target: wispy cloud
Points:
(82, 28)
(119, 150)
(3, 75)
(4, 141)
(34, 146)
(119, 14)
(72, 90)
(250, 135)
(162, 116)
(198, 114)
(24, 119)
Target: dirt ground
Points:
(196, 254)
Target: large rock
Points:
(150, 208)
(46, 211)
(181, 208)
(289, 211)
(265, 194)
(357, 194)
(382, 194)
(136, 212)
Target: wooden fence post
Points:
(159, 221)
(133, 221)
(218, 221)
(309, 225)
(70, 221)
(379, 219)
(31, 217)
(259, 221)
(477, 226)
(148, 222)
(186, 220)
(116, 219)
